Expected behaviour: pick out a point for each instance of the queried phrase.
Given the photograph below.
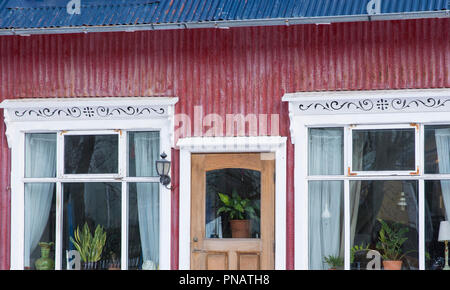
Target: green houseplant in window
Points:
(390, 242)
(240, 210)
(335, 262)
(90, 247)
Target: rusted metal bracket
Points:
(415, 172)
(351, 173)
(415, 125)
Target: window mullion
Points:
(124, 222)
(347, 225)
(421, 224)
(59, 227)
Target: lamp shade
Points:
(444, 231)
(163, 165)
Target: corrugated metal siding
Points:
(239, 70)
(39, 14)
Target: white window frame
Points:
(86, 116)
(361, 108)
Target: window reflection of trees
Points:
(245, 181)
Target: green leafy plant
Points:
(391, 239)
(237, 207)
(355, 249)
(90, 247)
(334, 261)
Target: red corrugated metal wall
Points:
(238, 70)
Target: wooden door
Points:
(218, 251)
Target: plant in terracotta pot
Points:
(89, 246)
(335, 262)
(390, 242)
(239, 210)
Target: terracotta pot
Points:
(240, 228)
(392, 265)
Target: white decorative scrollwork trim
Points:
(114, 109)
(435, 100)
(86, 109)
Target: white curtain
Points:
(443, 150)
(40, 161)
(146, 147)
(325, 197)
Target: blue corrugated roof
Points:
(20, 14)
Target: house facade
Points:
(326, 122)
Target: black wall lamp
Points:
(163, 170)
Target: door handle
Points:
(198, 251)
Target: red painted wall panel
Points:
(238, 70)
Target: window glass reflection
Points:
(89, 207)
(383, 150)
(326, 225)
(91, 154)
(437, 209)
(437, 149)
(233, 198)
(378, 207)
(40, 217)
(143, 226)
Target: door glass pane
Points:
(326, 151)
(143, 226)
(91, 154)
(437, 209)
(326, 225)
(383, 149)
(40, 155)
(233, 197)
(40, 217)
(93, 205)
(437, 149)
(142, 153)
(393, 203)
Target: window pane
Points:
(40, 155)
(143, 226)
(437, 209)
(143, 152)
(326, 225)
(40, 217)
(91, 154)
(326, 151)
(234, 185)
(383, 149)
(93, 204)
(393, 202)
(437, 149)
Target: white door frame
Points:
(191, 145)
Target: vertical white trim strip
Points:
(280, 207)
(421, 224)
(59, 227)
(124, 229)
(301, 200)
(185, 211)
(347, 224)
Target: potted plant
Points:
(239, 210)
(335, 262)
(90, 247)
(390, 241)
